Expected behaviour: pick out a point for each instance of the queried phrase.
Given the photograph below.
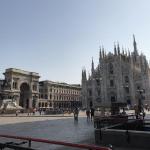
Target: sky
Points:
(57, 38)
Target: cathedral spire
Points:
(118, 48)
(84, 75)
(103, 54)
(92, 69)
(115, 49)
(100, 53)
(128, 52)
(89, 76)
(135, 46)
(125, 51)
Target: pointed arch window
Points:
(90, 92)
(126, 79)
(111, 69)
(111, 83)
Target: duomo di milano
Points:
(121, 77)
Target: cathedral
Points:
(119, 77)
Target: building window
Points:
(111, 71)
(138, 87)
(45, 104)
(98, 92)
(127, 90)
(113, 99)
(126, 79)
(14, 85)
(90, 92)
(46, 96)
(42, 104)
(34, 87)
(111, 83)
(98, 82)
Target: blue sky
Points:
(57, 38)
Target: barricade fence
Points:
(29, 140)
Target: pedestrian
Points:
(28, 111)
(88, 114)
(33, 111)
(17, 112)
(123, 112)
(144, 114)
(76, 112)
(92, 113)
(40, 111)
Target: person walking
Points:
(76, 112)
(17, 112)
(40, 111)
(92, 113)
(88, 114)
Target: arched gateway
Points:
(24, 95)
(24, 87)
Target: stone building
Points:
(24, 88)
(59, 95)
(121, 77)
(21, 86)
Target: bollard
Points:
(100, 134)
(128, 136)
(29, 145)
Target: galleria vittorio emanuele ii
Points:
(25, 89)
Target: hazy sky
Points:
(56, 38)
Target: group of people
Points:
(90, 114)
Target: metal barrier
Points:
(17, 146)
(100, 122)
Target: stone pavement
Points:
(21, 118)
(62, 128)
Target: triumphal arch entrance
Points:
(22, 87)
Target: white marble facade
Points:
(118, 77)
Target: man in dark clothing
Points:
(92, 113)
(88, 114)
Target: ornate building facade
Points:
(119, 77)
(21, 86)
(59, 95)
(24, 88)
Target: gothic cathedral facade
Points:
(118, 77)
